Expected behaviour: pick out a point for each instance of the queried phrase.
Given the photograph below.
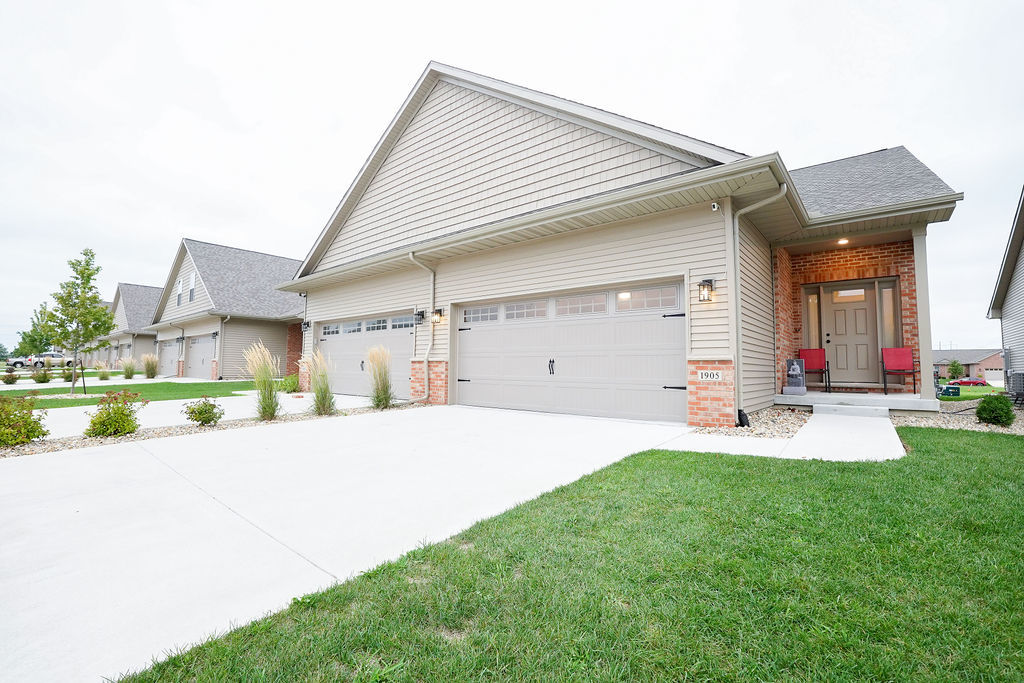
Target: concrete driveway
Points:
(115, 555)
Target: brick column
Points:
(438, 377)
(711, 403)
(293, 349)
(213, 369)
(304, 382)
(181, 368)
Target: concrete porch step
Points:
(855, 411)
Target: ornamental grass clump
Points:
(317, 367)
(150, 365)
(204, 412)
(102, 371)
(18, 424)
(996, 410)
(382, 394)
(117, 414)
(262, 367)
(128, 367)
(66, 374)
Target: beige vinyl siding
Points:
(239, 334)
(141, 345)
(1012, 322)
(689, 244)
(468, 159)
(202, 302)
(757, 319)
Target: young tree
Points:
(4, 354)
(39, 337)
(79, 316)
(955, 370)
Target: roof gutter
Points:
(430, 340)
(783, 188)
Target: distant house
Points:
(217, 302)
(133, 307)
(1007, 303)
(986, 364)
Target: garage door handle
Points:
(551, 367)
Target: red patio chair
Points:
(815, 361)
(898, 362)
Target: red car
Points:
(968, 382)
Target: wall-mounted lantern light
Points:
(704, 290)
(213, 335)
(437, 316)
(306, 325)
(420, 315)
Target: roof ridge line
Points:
(251, 251)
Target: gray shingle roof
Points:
(964, 356)
(876, 179)
(140, 302)
(241, 282)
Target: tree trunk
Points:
(74, 372)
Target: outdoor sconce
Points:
(704, 290)
(420, 315)
(305, 326)
(437, 316)
(213, 335)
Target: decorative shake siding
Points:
(1012, 321)
(757, 319)
(468, 159)
(238, 334)
(170, 310)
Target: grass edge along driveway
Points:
(155, 391)
(672, 565)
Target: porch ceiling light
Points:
(843, 241)
(704, 290)
(437, 316)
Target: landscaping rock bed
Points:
(951, 417)
(72, 442)
(767, 423)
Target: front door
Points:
(850, 328)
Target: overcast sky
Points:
(124, 127)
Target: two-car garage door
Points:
(615, 353)
(346, 343)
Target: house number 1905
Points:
(709, 375)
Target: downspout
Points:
(430, 341)
(220, 346)
(783, 188)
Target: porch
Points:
(905, 401)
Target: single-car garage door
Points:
(169, 358)
(198, 355)
(616, 353)
(345, 345)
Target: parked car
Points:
(18, 362)
(56, 359)
(968, 382)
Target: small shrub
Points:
(381, 394)
(117, 415)
(289, 384)
(996, 410)
(18, 424)
(66, 374)
(150, 365)
(42, 376)
(128, 367)
(262, 367)
(9, 376)
(323, 399)
(204, 411)
(102, 371)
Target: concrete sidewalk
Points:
(72, 421)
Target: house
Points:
(514, 249)
(91, 358)
(133, 307)
(986, 364)
(217, 302)
(1007, 303)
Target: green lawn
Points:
(673, 566)
(971, 393)
(155, 391)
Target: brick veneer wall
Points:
(793, 271)
(213, 369)
(181, 369)
(304, 382)
(293, 349)
(438, 381)
(711, 404)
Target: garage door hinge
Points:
(462, 380)
(465, 329)
(680, 388)
(674, 315)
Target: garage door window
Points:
(645, 299)
(581, 305)
(330, 329)
(376, 325)
(526, 310)
(479, 314)
(352, 328)
(403, 322)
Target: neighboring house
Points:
(91, 358)
(517, 250)
(1008, 298)
(986, 364)
(133, 307)
(217, 302)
